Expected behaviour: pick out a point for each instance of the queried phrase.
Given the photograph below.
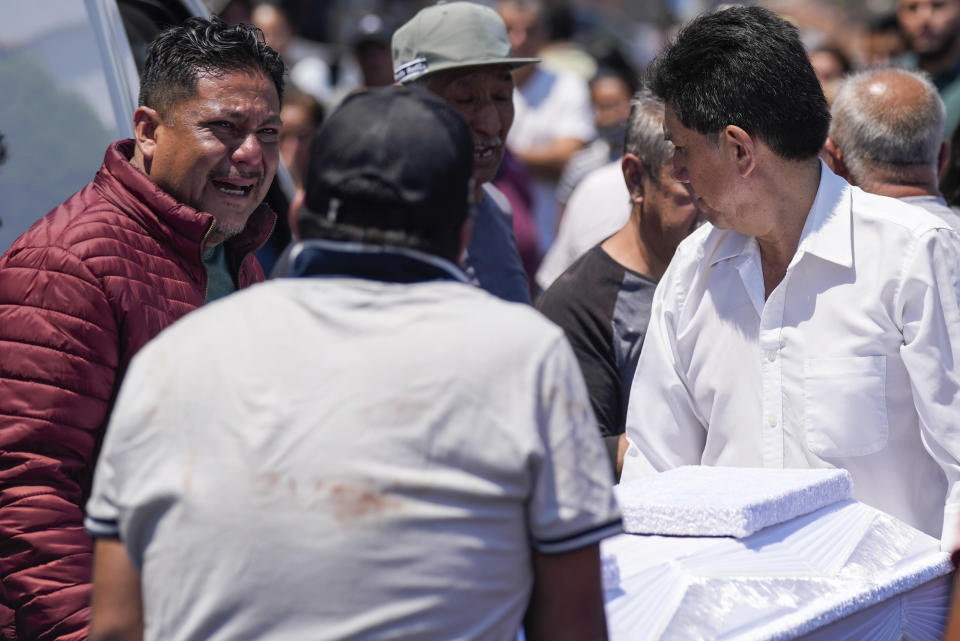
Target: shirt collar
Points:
(316, 257)
(733, 244)
(826, 232)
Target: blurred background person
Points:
(370, 44)
(311, 68)
(932, 32)
(610, 93)
(553, 118)
(301, 115)
(514, 182)
(883, 40)
(237, 12)
(599, 206)
(950, 175)
(591, 196)
(831, 66)
(562, 51)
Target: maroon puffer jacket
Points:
(80, 292)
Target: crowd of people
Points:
(519, 273)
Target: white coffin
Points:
(816, 566)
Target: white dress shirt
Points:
(853, 361)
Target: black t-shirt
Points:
(603, 308)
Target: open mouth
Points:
(485, 150)
(231, 189)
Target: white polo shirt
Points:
(329, 458)
(853, 361)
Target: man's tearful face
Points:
(218, 151)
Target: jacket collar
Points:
(316, 257)
(826, 232)
(177, 225)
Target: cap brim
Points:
(513, 63)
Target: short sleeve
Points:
(102, 516)
(572, 505)
(135, 463)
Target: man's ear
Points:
(833, 156)
(633, 174)
(145, 124)
(295, 205)
(741, 147)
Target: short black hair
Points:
(178, 55)
(744, 66)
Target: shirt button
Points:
(771, 355)
(771, 421)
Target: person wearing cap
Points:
(407, 455)
(460, 51)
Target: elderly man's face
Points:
(484, 98)
(218, 151)
(930, 26)
(670, 207)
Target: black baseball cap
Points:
(393, 159)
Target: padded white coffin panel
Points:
(726, 501)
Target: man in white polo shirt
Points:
(393, 452)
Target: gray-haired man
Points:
(460, 51)
(602, 301)
(886, 137)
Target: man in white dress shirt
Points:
(812, 324)
(886, 137)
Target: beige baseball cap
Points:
(449, 35)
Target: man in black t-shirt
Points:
(602, 301)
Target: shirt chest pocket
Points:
(845, 409)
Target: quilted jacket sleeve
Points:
(58, 363)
